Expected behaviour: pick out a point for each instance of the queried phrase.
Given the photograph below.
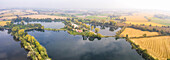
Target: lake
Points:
(10, 49)
(62, 46)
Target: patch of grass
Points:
(161, 21)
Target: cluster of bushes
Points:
(83, 25)
(140, 51)
(119, 32)
(87, 34)
(79, 19)
(22, 26)
(103, 22)
(1, 28)
(54, 29)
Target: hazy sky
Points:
(139, 4)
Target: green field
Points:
(96, 17)
(161, 21)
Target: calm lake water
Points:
(56, 25)
(106, 31)
(63, 46)
(10, 49)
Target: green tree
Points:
(80, 23)
(8, 23)
(91, 34)
(112, 22)
(40, 48)
(37, 43)
(15, 29)
(92, 27)
(144, 35)
(22, 22)
(21, 32)
(29, 38)
(127, 36)
(88, 27)
(42, 27)
(97, 30)
(99, 35)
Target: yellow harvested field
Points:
(2, 23)
(135, 18)
(139, 18)
(158, 47)
(137, 33)
(44, 16)
(31, 11)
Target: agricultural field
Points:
(96, 17)
(8, 18)
(31, 11)
(9, 13)
(158, 47)
(135, 18)
(137, 33)
(44, 16)
(2, 23)
(139, 18)
(161, 21)
(5, 11)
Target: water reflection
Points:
(52, 24)
(63, 46)
(10, 49)
(106, 30)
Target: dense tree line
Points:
(119, 32)
(22, 26)
(27, 19)
(149, 29)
